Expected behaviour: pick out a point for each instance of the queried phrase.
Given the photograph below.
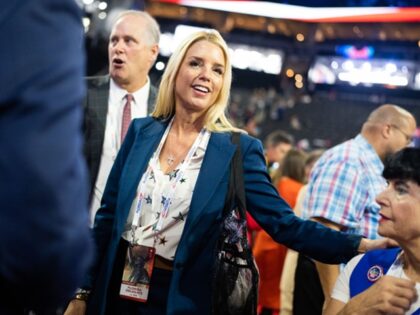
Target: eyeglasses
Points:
(408, 138)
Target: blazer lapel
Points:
(145, 144)
(95, 112)
(216, 162)
(98, 102)
(151, 100)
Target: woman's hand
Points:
(368, 244)
(76, 307)
(389, 295)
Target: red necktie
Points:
(126, 118)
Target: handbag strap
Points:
(236, 183)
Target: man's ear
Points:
(386, 130)
(155, 51)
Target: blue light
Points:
(353, 52)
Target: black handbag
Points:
(235, 285)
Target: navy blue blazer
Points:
(190, 290)
(45, 245)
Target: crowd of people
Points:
(159, 164)
(263, 110)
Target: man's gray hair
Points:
(153, 29)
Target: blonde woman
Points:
(167, 190)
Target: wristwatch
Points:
(81, 294)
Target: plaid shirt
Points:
(343, 186)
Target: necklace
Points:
(170, 159)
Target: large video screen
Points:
(378, 72)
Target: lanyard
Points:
(154, 161)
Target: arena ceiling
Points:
(389, 28)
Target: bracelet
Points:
(82, 295)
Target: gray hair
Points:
(153, 30)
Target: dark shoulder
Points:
(149, 122)
(144, 121)
(247, 141)
(97, 81)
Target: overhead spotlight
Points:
(102, 15)
(382, 35)
(391, 67)
(319, 35)
(290, 73)
(300, 37)
(356, 29)
(229, 24)
(298, 77)
(183, 11)
(87, 2)
(298, 84)
(347, 65)
(102, 5)
(366, 66)
(271, 28)
(160, 66)
(86, 23)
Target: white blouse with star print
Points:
(157, 185)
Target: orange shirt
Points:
(270, 255)
(288, 189)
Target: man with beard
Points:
(341, 194)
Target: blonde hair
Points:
(215, 118)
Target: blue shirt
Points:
(343, 186)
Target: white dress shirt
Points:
(112, 142)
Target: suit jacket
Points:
(44, 239)
(96, 110)
(191, 283)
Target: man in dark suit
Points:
(132, 51)
(45, 245)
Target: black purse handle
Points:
(236, 189)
